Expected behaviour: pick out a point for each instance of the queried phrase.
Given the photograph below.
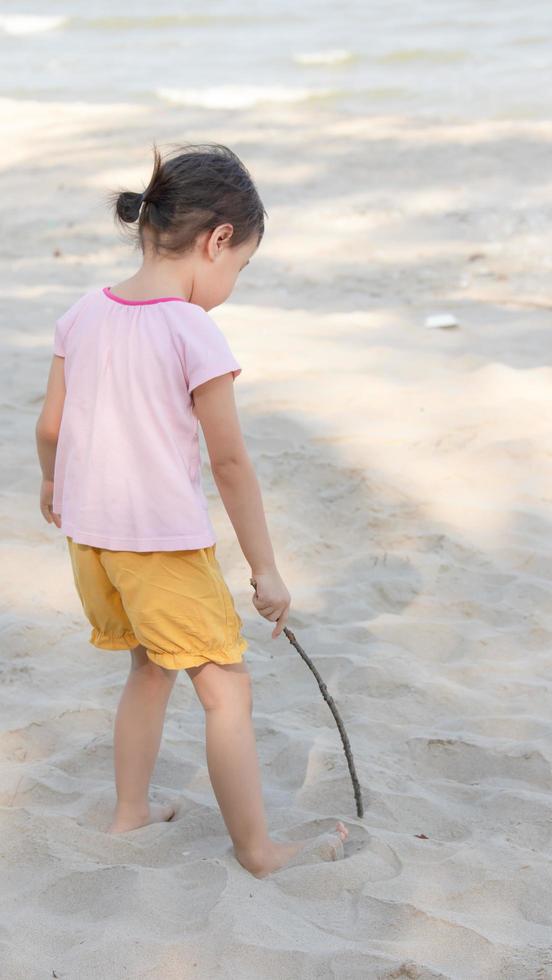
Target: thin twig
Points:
(332, 706)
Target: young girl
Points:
(136, 366)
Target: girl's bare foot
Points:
(276, 855)
(131, 820)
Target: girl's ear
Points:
(223, 234)
(209, 247)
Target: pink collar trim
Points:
(140, 302)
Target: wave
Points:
(21, 24)
(240, 96)
(430, 55)
(137, 22)
(30, 23)
(338, 56)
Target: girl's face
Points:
(217, 266)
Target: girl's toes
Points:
(342, 830)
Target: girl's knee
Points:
(223, 685)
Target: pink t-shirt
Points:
(128, 469)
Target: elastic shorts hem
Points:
(183, 660)
(172, 661)
(105, 641)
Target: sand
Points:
(406, 476)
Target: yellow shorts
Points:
(175, 603)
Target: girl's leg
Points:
(137, 737)
(232, 761)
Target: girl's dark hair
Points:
(193, 189)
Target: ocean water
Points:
(447, 59)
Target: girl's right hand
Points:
(272, 599)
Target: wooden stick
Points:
(332, 706)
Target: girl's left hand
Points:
(46, 498)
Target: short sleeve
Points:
(59, 336)
(207, 353)
(64, 323)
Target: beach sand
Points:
(406, 476)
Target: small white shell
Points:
(441, 320)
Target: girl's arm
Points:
(238, 486)
(47, 432)
(232, 469)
